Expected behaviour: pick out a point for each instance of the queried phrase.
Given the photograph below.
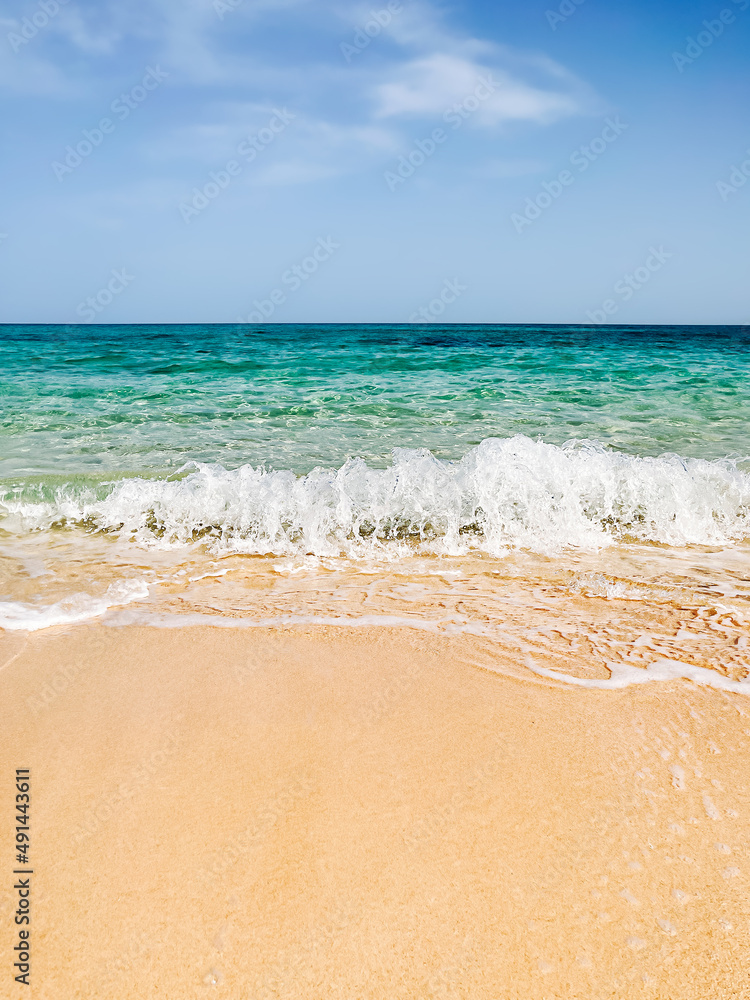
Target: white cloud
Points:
(321, 151)
(225, 76)
(431, 85)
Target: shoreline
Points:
(371, 812)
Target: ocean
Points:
(137, 461)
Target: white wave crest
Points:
(504, 494)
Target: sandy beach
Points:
(369, 812)
(374, 501)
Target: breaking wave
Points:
(504, 494)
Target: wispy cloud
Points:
(429, 86)
(350, 116)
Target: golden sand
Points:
(317, 812)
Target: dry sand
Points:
(367, 812)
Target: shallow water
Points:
(97, 401)
(136, 459)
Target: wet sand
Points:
(364, 812)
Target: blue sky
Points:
(315, 161)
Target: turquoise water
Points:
(331, 441)
(96, 401)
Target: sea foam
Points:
(16, 616)
(624, 675)
(505, 494)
